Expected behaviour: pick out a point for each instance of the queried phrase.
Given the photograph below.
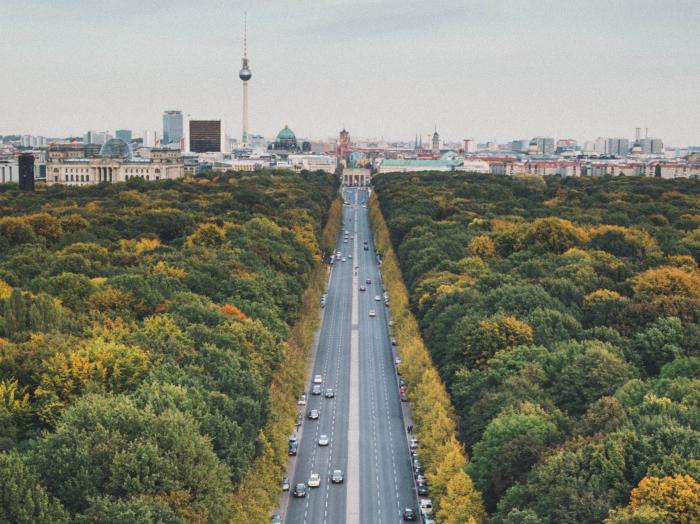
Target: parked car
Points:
(409, 514)
(299, 490)
(393, 341)
(337, 476)
(292, 446)
(275, 519)
(422, 490)
(302, 400)
(285, 484)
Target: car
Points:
(337, 476)
(393, 341)
(292, 447)
(363, 288)
(377, 298)
(299, 490)
(420, 479)
(350, 257)
(323, 440)
(397, 360)
(422, 490)
(372, 313)
(413, 443)
(409, 514)
(313, 414)
(329, 393)
(366, 248)
(345, 241)
(314, 480)
(427, 519)
(318, 379)
(368, 281)
(342, 259)
(285, 484)
(302, 400)
(275, 519)
(316, 389)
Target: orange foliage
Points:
(232, 311)
(677, 497)
(667, 281)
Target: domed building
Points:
(286, 143)
(116, 148)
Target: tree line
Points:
(142, 327)
(563, 315)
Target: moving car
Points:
(409, 514)
(318, 379)
(363, 288)
(342, 259)
(285, 484)
(314, 480)
(368, 281)
(372, 313)
(323, 440)
(299, 490)
(316, 389)
(329, 393)
(337, 477)
(366, 248)
(313, 414)
(377, 298)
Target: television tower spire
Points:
(244, 74)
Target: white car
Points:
(314, 480)
(377, 298)
(372, 313)
(350, 256)
(302, 400)
(318, 379)
(342, 259)
(323, 440)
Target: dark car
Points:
(337, 477)
(422, 490)
(409, 514)
(368, 281)
(292, 447)
(300, 490)
(366, 248)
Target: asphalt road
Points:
(363, 421)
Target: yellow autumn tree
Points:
(667, 281)
(206, 235)
(451, 462)
(676, 497)
(552, 235)
(482, 246)
(497, 333)
(462, 503)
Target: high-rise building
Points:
(617, 146)
(545, 145)
(96, 137)
(205, 136)
(652, 146)
(436, 144)
(245, 74)
(26, 172)
(123, 134)
(172, 127)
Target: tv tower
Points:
(245, 75)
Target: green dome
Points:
(286, 134)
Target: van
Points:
(426, 506)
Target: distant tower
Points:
(436, 144)
(245, 75)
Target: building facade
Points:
(114, 163)
(205, 136)
(172, 127)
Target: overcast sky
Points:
(490, 69)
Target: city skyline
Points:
(483, 71)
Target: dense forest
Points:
(564, 316)
(141, 325)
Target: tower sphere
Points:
(245, 74)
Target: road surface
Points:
(364, 423)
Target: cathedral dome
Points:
(286, 134)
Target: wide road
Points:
(363, 421)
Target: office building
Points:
(651, 146)
(545, 145)
(617, 146)
(96, 137)
(26, 172)
(123, 134)
(205, 136)
(172, 127)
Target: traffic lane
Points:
(331, 336)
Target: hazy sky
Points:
(483, 69)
